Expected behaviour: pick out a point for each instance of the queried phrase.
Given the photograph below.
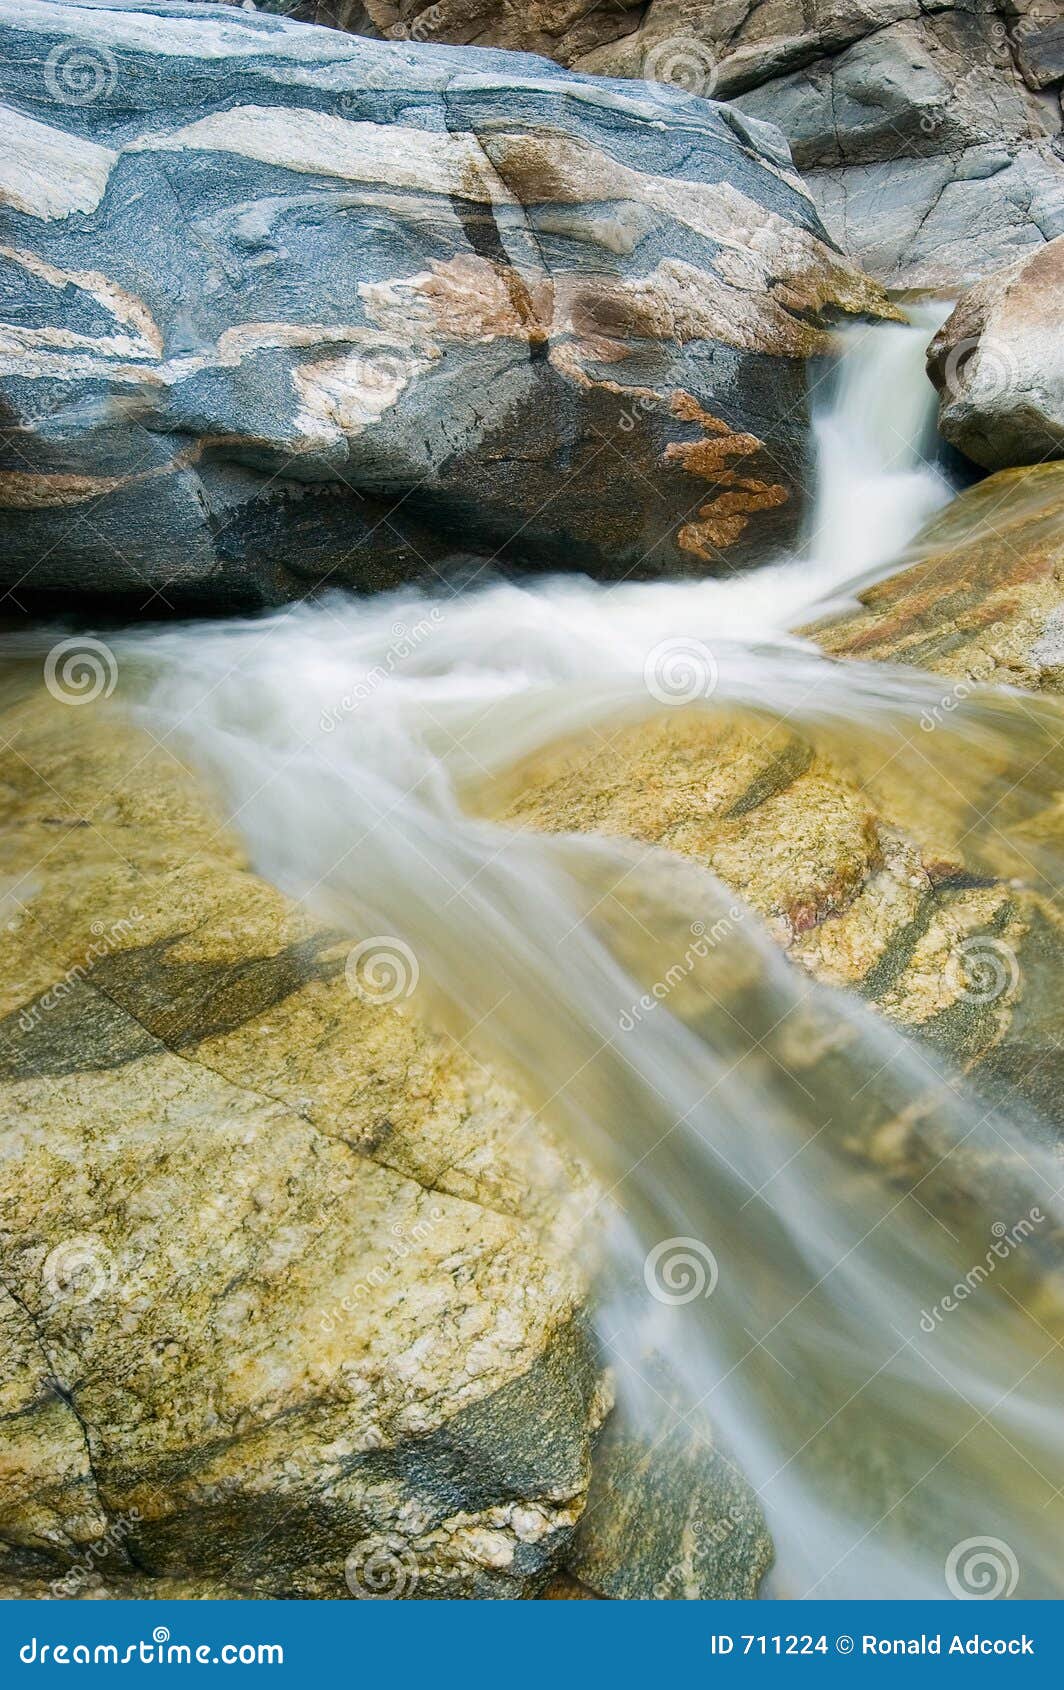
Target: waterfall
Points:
(875, 435)
(739, 1125)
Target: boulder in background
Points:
(930, 136)
(998, 364)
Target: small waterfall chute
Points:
(747, 1112)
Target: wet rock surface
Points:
(982, 594)
(668, 1516)
(855, 864)
(284, 305)
(277, 1311)
(998, 364)
(288, 1303)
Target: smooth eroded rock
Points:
(284, 305)
(284, 1305)
(930, 136)
(998, 364)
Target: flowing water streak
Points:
(874, 430)
(748, 1114)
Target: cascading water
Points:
(875, 433)
(349, 754)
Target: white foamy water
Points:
(750, 1113)
(875, 432)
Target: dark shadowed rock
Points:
(283, 304)
(998, 364)
(669, 1516)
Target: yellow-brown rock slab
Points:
(264, 1245)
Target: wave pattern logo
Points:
(382, 969)
(78, 1270)
(80, 670)
(76, 74)
(683, 63)
(981, 1569)
(381, 1569)
(983, 969)
(680, 1270)
(986, 364)
(679, 671)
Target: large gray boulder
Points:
(924, 148)
(282, 304)
(929, 134)
(998, 364)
